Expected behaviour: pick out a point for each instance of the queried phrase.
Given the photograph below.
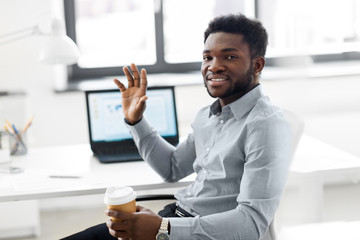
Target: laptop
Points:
(110, 139)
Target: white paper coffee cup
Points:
(120, 198)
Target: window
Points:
(112, 33)
(184, 26)
(167, 35)
(321, 27)
(160, 35)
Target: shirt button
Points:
(188, 194)
(221, 121)
(207, 149)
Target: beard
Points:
(242, 85)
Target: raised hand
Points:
(134, 97)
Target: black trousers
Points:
(101, 231)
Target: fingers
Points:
(142, 102)
(120, 234)
(121, 86)
(135, 79)
(118, 229)
(119, 215)
(118, 226)
(139, 208)
(136, 74)
(143, 85)
(128, 76)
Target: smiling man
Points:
(240, 148)
(228, 68)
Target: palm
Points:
(133, 97)
(131, 103)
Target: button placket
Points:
(209, 145)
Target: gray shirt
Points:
(240, 153)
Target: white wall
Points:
(58, 118)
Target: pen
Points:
(13, 148)
(27, 125)
(17, 135)
(13, 128)
(7, 130)
(7, 122)
(63, 176)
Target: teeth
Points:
(218, 79)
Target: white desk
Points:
(35, 183)
(39, 164)
(314, 165)
(315, 162)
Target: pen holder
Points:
(18, 144)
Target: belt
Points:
(182, 213)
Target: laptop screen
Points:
(106, 117)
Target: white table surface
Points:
(41, 163)
(315, 165)
(315, 157)
(312, 158)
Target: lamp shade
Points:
(60, 49)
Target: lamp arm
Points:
(60, 49)
(20, 34)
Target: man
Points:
(240, 147)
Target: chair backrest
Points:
(297, 125)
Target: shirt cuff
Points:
(141, 129)
(180, 228)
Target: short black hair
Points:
(252, 30)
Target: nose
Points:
(216, 65)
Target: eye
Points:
(231, 57)
(206, 58)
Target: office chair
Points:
(152, 197)
(297, 126)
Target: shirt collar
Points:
(240, 106)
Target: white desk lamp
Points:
(60, 49)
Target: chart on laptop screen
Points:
(107, 117)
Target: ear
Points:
(259, 64)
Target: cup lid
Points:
(119, 195)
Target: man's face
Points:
(227, 68)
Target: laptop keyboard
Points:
(118, 155)
(117, 150)
(118, 158)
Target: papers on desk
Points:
(42, 179)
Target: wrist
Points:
(163, 233)
(132, 123)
